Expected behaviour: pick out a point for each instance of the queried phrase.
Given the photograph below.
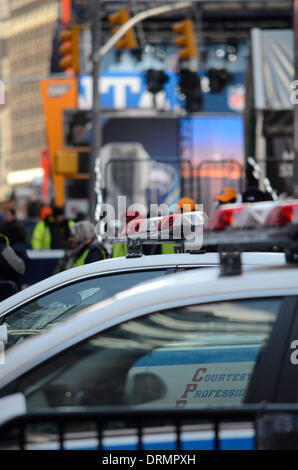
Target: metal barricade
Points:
(211, 177)
(201, 183)
(272, 427)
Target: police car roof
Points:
(123, 264)
(196, 286)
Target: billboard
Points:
(214, 145)
(158, 137)
(122, 90)
(205, 151)
(213, 138)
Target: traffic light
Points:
(190, 86)
(70, 50)
(218, 79)
(66, 162)
(120, 18)
(155, 80)
(186, 40)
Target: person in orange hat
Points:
(186, 204)
(227, 196)
(45, 212)
(52, 232)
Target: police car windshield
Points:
(53, 308)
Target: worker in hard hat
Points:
(185, 204)
(53, 231)
(227, 196)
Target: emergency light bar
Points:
(169, 227)
(266, 238)
(252, 215)
(184, 230)
(231, 243)
(158, 227)
(264, 226)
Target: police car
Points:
(58, 297)
(208, 337)
(191, 339)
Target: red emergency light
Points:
(223, 217)
(168, 221)
(282, 215)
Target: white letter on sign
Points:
(120, 84)
(294, 355)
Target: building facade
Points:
(26, 46)
(5, 128)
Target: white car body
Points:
(181, 289)
(122, 264)
(199, 286)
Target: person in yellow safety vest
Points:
(53, 232)
(119, 249)
(185, 204)
(84, 247)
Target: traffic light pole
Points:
(137, 19)
(96, 141)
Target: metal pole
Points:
(96, 141)
(161, 10)
(260, 100)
